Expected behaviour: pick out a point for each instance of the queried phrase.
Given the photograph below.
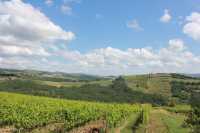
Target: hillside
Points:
(49, 76)
(151, 83)
(33, 101)
(157, 89)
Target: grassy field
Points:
(162, 121)
(130, 124)
(73, 84)
(157, 83)
(180, 108)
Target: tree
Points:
(119, 84)
(172, 102)
(194, 115)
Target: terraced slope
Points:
(152, 83)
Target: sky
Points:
(101, 37)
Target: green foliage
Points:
(119, 84)
(146, 113)
(28, 112)
(131, 123)
(182, 89)
(172, 102)
(194, 115)
(49, 76)
(174, 123)
(179, 108)
(91, 91)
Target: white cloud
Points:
(25, 22)
(105, 61)
(26, 36)
(174, 58)
(24, 30)
(192, 27)
(166, 16)
(11, 50)
(29, 39)
(134, 24)
(176, 45)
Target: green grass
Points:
(175, 123)
(73, 84)
(59, 84)
(181, 108)
(152, 84)
(131, 122)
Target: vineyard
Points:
(29, 112)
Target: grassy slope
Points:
(70, 84)
(143, 88)
(129, 125)
(161, 121)
(154, 84)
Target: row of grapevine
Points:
(28, 112)
(145, 113)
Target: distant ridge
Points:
(196, 75)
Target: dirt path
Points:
(89, 127)
(7, 129)
(156, 124)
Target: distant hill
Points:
(197, 75)
(50, 76)
(157, 88)
(151, 83)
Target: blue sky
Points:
(105, 37)
(111, 29)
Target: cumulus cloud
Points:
(176, 45)
(24, 30)
(192, 27)
(26, 36)
(30, 40)
(105, 61)
(12, 50)
(23, 21)
(166, 16)
(134, 24)
(173, 58)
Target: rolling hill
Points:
(158, 89)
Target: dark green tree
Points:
(120, 84)
(194, 115)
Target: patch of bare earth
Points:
(50, 128)
(91, 127)
(7, 129)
